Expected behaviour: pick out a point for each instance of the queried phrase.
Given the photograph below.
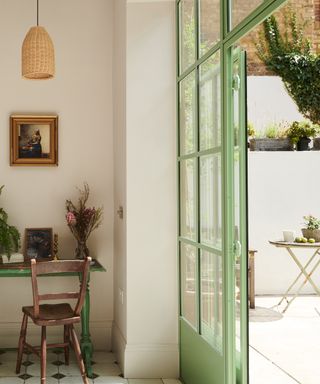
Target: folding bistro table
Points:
(304, 276)
(24, 270)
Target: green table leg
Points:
(85, 342)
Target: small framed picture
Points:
(38, 244)
(33, 140)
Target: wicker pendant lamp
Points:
(38, 53)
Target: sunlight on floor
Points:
(285, 348)
(106, 370)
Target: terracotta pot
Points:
(311, 234)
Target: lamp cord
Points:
(37, 12)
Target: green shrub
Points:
(288, 55)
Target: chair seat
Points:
(52, 314)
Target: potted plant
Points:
(312, 228)
(274, 138)
(9, 235)
(82, 220)
(301, 132)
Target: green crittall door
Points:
(212, 147)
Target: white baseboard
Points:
(148, 361)
(9, 334)
(118, 346)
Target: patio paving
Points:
(285, 348)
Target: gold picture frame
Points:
(38, 244)
(33, 140)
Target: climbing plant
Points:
(287, 53)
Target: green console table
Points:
(24, 270)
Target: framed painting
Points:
(33, 140)
(38, 244)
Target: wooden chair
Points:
(47, 315)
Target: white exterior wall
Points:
(269, 102)
(283, 187)
(81, 94)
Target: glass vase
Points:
(82, 250)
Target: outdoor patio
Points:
(285, 348)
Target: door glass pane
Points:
(209, 18)
(211, 299)
(210, 200)
(241, 9)
(188, 187)
(188, 114)
(187, 34)
(210, 103)
(189, 283)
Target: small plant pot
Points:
(303, 144)
(316, 144)
(311, 234)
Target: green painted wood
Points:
(24, 270)
(85, 341)
(197, 357)
(200, 363)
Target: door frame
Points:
(227, 40)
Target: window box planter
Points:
(266, 144)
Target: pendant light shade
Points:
(38, 55)
(38, 60)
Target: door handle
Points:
(237, 249)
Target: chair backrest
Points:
(57, 267)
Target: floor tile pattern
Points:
(106, 370)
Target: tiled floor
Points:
(104, 366)
(285, 348)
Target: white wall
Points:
(81, 94)
(149, 346)
(269, 102)
(283, 187)
(119, 334)
(151, 205)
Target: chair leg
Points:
(77, 351)
(43, 355)
(66, 340)
(22, 340)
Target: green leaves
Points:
(9, 235)
(302, 129)
(311, 222)
(288, 54)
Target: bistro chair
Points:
(48, 315)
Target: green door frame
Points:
(225, 46)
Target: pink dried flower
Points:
(71, 219)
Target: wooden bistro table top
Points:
(285, 244)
